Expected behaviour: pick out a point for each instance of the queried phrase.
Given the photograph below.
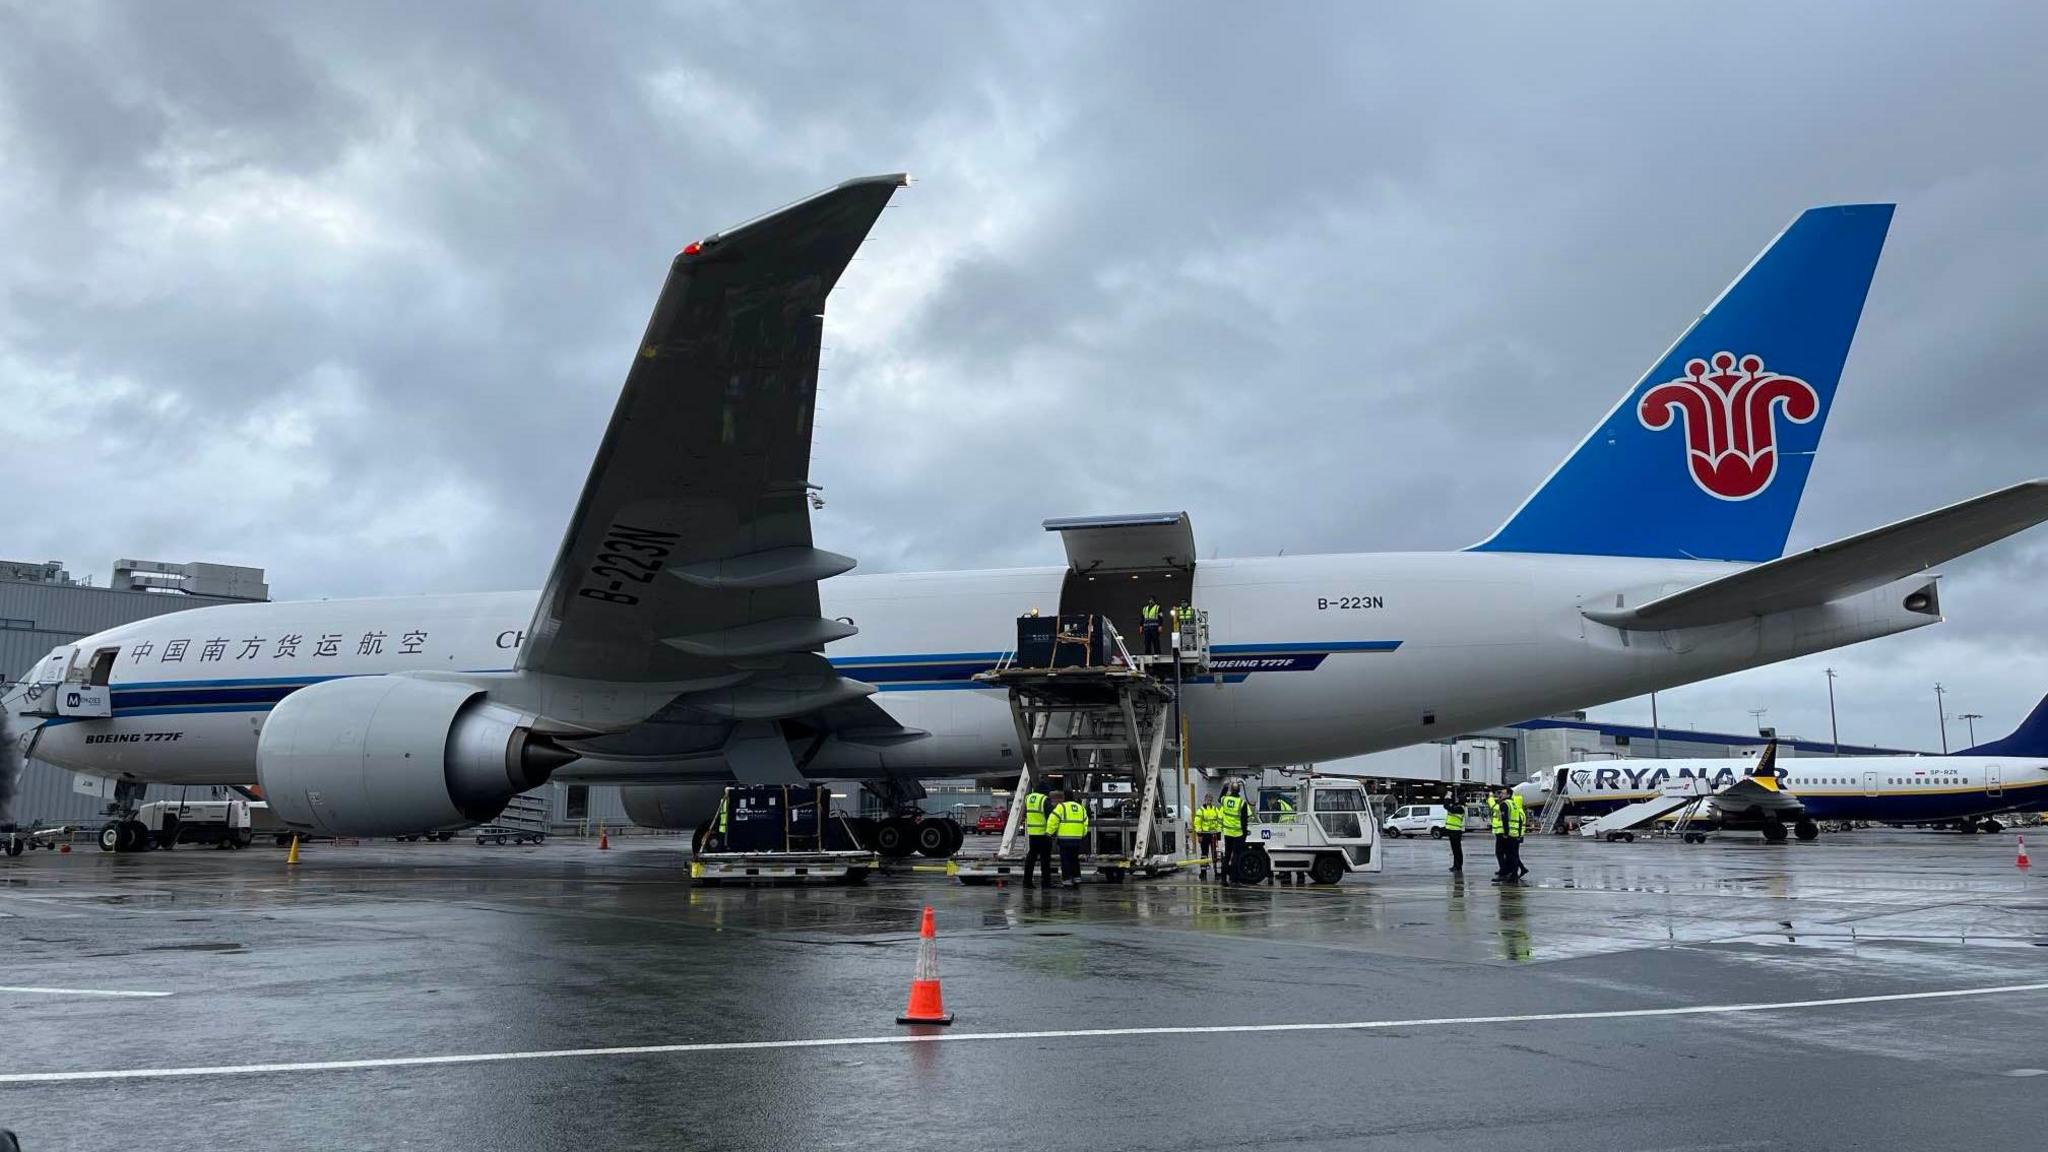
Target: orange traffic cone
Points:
(2021, 862)
(604, 840)
(926, 1005)
(64, 847)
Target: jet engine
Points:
(384, 755)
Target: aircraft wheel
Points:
(444, 837)
(15, 846)
(1253, 867)
(1327, 869)
(1774, 832)
(896, 837)
(1806, 830)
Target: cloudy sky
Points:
(347, 291)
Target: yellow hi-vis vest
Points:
(1454, 818)
(1069, 820)
(1518, 817)
(1285, 809)
(1233, 815)
(1034, 814)
(1150, 613)
(1208, 818)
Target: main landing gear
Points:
(907, 831)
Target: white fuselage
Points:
(1315, 658)
(1884, 789)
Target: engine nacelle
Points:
(386, 755)
(671, 805)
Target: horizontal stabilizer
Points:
(1845, 567)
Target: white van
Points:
(1416, 819)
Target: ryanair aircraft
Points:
(690, 633)
(1963, 790)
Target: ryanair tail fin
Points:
(2029, 739)
(1706, 457)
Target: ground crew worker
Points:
(1454, 831)
(1038, 846)
(1149, 617)
(1182, 617)
(1497, 821)
(1208, 825)
(1518, 824)
(1235, 817)
(1508, 835)
(1069, 822)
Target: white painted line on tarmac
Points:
(26, 991)
(969, 1037)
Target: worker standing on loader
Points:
(1235, 818)
(1148, 616)
(1038, 842)
(1069, 825)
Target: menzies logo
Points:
(1730, 420)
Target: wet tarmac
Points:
(1810, 983)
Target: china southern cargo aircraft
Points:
(1963, 789)
(691, 634)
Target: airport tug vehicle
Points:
(1322, 828)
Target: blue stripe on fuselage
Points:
(915, 672)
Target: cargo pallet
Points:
(784, 867)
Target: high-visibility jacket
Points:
(1518, 817)
(1034, 814)
(1150, 613)
(1454, 818)
(1494, 821)
(1285, 809)
(1209, 818)
(1232, 810)
(1069, 820)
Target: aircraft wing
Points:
(1845, 567)
(689, 558)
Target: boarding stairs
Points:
(1681, 792)
(1554, 807)
(1103, 733)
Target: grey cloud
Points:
(347, 291)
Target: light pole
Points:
(1833, 728)
(1941, 714)
(1758, 715)
(1971, 719)
(1656, 731)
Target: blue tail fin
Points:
(2029, 739)
(1707, 455)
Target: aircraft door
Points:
(1870, 783)
(1994, 782)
